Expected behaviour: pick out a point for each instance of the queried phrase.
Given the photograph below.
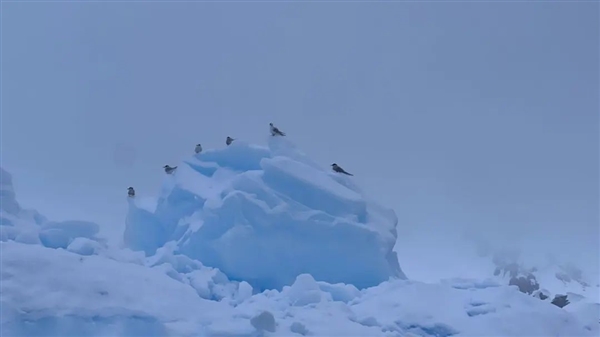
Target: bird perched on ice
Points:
(229, 140)
(169, 169)
(131, 192)
(198, 148)
(338, 169)
(275, 131)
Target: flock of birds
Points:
(274, 132)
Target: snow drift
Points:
(266, 215)
(29, 226)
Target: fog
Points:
(465, 118)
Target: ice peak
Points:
(266, 215)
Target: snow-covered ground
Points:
(261, 241)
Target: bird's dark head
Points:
(198, 145)
(271, 124)
(130, 188)
(334, 164)
(166, 166)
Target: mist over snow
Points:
(261, 240)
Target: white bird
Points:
(131, 192)
(275, 131)
(169, 169)
(338, 169)
(198, 148)
(229, 140)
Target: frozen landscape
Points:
(254, 240)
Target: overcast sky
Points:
(454, 114)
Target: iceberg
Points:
(265, 215)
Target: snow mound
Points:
(437, 310)
(250, 211)
(29, 226)
(58, 293)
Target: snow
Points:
(28, 226)
(262, 241)
(61, 234)
(58, 292)
(90, 291)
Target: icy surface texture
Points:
(59, 293)
(265, 215)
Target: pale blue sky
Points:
(483, 115)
